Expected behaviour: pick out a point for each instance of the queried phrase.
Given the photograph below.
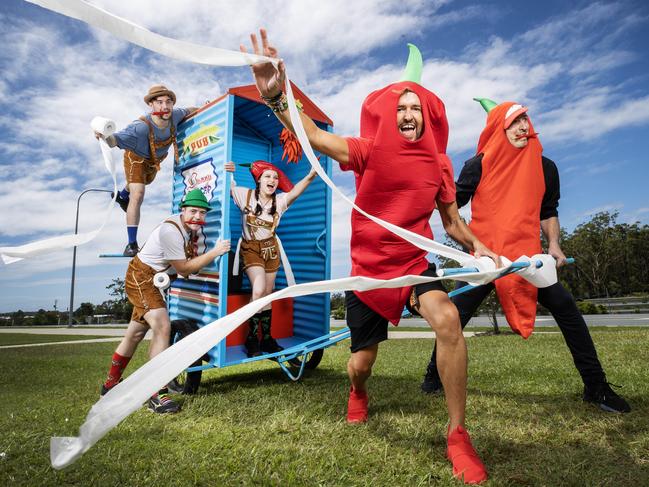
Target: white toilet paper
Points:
(103, 125)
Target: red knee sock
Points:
(467, 465)
(357, 406)
(117, 366)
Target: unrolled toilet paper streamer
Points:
(129, 395)
(14, 254)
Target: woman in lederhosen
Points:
(260, 249)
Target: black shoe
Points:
(123, 203)
(252, 347)
(131, 250)
(606, 398)
(162, 404)
(432, 384)
(269, 345)
(105, 389)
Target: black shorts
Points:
(366, 326)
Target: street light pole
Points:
(74, 252)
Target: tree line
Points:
(611, 260)
(117, 309)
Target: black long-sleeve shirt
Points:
(469, 178)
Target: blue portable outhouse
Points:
(238, 127)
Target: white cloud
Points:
(597, 113)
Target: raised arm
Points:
(229, 167)
(299, 188)
(270, 82)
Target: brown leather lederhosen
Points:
(262, 253)
(138, 283)
(138, 169)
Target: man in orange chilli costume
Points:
(514, 192)
(402, 173)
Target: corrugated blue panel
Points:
(204, 148)
(305, 228)
(243, 131)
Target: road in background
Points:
(632, 319)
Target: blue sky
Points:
(581, 67)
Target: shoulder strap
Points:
(189, 247)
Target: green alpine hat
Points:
(195, 198)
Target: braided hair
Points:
(258, 208)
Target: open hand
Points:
(268, 79)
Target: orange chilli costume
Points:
(512, 190)
(506, 208)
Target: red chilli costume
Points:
(398, 181)
(506, 206)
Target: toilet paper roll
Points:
(103, 125)
(161, 280)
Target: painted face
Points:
(192, 217)
(163, 104)
(518, 131)
(410, 120)
(268, 182)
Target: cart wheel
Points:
(312, 359)
(186, 382)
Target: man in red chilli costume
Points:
(402, 173)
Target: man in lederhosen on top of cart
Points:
(146, 142)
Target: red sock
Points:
(467, 465)
(357, 406)
(117, 366)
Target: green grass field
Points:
(249, 425)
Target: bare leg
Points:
(158, 320)
(136, 198)
(359, 366)
(442, 316)
(257, 277)
(270, 285)
(132, 338)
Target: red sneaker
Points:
(357, 406)
(467, 465)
